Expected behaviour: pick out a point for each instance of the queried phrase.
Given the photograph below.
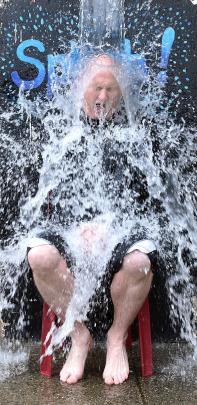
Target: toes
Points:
(73, 379)
(126, 375)
(69, 378)
(115, 379)
(108, 380)
(118, 380)
(65, 374)
(64, 377)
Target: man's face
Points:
(101, 96)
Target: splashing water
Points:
(71, 159)
(13, 361)
(102, 24)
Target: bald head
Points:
(102, 61)
(101, 89)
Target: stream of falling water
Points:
(160, 151)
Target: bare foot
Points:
(73, 369)
(117, 366)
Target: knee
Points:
(43, 257)
(137, 264)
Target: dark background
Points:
(55, 23)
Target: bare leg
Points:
(52, 277)
(55, 284)
(129, 290)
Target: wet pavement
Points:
(174, 381)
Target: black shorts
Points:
(100, 315)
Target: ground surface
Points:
(174, 381)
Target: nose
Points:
(103, 96)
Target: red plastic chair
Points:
(49, 317)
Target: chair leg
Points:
(48, 317)
(145, 340)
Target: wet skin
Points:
(102, 96)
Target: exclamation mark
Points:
(167, 42)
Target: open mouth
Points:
(101, 110)
(100, 107)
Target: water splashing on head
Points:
(102, 93)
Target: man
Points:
(129, 273)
